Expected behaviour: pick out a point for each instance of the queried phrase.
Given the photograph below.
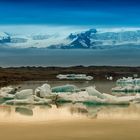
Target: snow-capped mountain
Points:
(4, 37)
(89, 39)
(96, 39)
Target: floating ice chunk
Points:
(127, 85)
(41, 101)
(93, 92)
(43, 91)
(20, 101)
(109, 96)
(7, 93)
(128, 81)
(64, 88)
(24, 94)
(5, 90)
(8, 96)
(74, 76)
(130, 89)
(109, 78)
(82, 96)
(91, 95)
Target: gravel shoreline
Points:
(15, 75)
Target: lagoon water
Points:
(49, 57)
(70, 121)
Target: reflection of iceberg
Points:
(74, 76)
(24, 111)
(127, 85)
(64, 88)
(78, 108)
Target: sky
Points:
(64, 17)
(101, 13)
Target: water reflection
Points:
(24, 111)
(67, 112)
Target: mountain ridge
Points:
(89, 39)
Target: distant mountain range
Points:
(90, 39)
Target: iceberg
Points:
(74, 77)
(6, 90)
(5, 93)
(91, 95)
(93, 92)
(24, 94)
(41, 101)
(64, 88)
(130, 85)
(27, 96)
(22, 97)
(44, 95)
(43, 91)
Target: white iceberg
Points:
(24, 94)
(43, 91)
(5, 92)
(128, 81)
(93, 92)
(130, 85)
(74, 76)
(41, 101)
(65, 88)
(68, 93)
(6, 89)
(22, 97)
(91, 95)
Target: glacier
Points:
(87, 39)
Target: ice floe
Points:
(65, 88)
(45, 95)
(43, 91)
(91, 95)
(74, 76)
(129, 84)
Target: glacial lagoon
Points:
(68, 111)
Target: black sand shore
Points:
(15, 75)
